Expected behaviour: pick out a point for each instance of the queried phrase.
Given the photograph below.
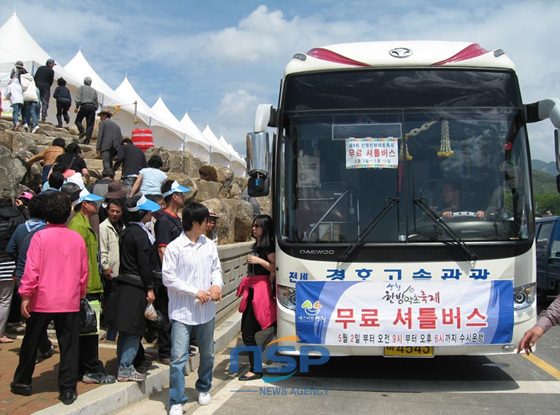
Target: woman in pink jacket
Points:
(258, 305)
(54, 281)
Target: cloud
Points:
(235, 116)
(268, 39)
(219, 64)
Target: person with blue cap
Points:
(168, 227)
(85, 205)
(134, 286)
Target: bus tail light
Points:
(524, 296)
(286, 296)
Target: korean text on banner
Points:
(404, 313)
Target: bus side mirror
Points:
(257, 164)
(258, 185)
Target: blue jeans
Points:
(30, 113)
(127, 347)
(180, 336)
(16, 109)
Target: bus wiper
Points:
(471, 255)
(389, 203)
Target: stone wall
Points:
(233, 259)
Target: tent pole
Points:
(135, 112)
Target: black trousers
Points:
(89, 355)
(164, 332)
(62, 111)
(249, 327)
(45, 93)
(67, 326)
(89, 349)
(88, 112)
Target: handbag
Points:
(88, 319)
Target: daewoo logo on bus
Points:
(317, 251)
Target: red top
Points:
(264, 305)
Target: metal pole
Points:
(135, 111)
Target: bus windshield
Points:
(389, 156)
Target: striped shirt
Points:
(187, 268)
(8, 225)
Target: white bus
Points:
(400, 178)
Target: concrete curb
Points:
(108, 399)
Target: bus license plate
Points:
(409, 351)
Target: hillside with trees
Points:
(545, 193)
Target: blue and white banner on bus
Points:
(404, 313)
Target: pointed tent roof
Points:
(208, 133)
(22, 47)
(163, 112)
(190, 127)
(127, 91)
(79, 67)
(18, 45)
(195, 145)
(228, 146)
(161, 132)
(225, 153)
(238, 165)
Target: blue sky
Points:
(219, 59)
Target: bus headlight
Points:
(286, 296)
(524, 296)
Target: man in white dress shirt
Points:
(192, 273)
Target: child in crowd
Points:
(15, 94)
(63, 102)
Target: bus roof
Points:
(398, 54)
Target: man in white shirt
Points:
(192, 273)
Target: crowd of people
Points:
(132, 250)
(123, 249)
(29, 97)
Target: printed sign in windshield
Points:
(372, 153)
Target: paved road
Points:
(510, 384)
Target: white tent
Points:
(198, 148)
(80, 68)
(238, 163)
(234, 162)
(225, 159)
(163, 136)
(18, 45)
(218, 154)
(134, 113)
